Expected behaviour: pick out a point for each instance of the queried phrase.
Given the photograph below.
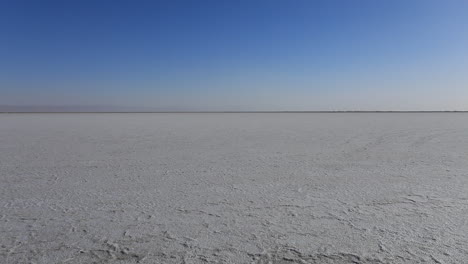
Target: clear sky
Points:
(236, 55)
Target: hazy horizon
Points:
(235, 55)
(131, 109)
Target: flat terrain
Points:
(234, 188)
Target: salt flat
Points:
(234, 188)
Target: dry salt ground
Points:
(234, 188)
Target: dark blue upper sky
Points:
(236, 55)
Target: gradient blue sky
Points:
(236, 55)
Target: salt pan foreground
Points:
(234, 188)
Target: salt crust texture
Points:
(234, 188)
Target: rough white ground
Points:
(234, 188)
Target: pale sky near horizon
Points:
(236, 55)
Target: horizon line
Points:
(233, 112)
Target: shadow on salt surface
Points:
(112, 253)
(288, 256)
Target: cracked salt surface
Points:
(234, 188)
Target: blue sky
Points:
(236, 55)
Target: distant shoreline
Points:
(223, 112)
